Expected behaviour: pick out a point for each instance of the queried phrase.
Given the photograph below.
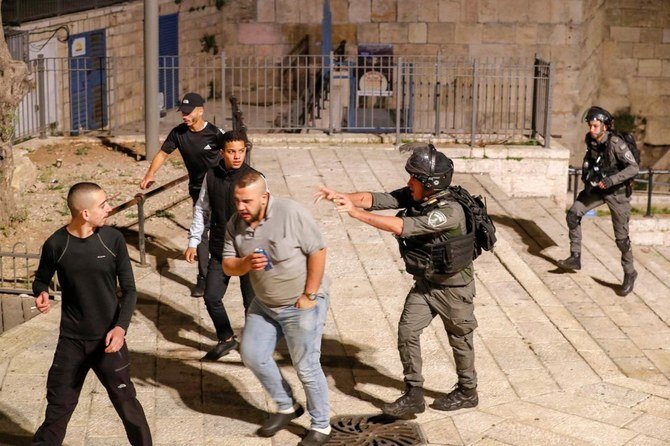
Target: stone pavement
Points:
(562, 360)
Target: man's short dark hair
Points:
(250, 178)
(235, 135)
(76, 191)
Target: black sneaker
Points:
(409, 404)
(222, 348)
(314, 438)
(278, 421)
(199, 288)
(459, 398)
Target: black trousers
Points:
(215, 288)
(72, 361)
(202, 250)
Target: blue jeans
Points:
(303, 330)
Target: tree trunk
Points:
(13, 85)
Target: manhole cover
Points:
(374, 430)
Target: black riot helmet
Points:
(432, 168)
(598, 114)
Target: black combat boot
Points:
(628, 283)
(410, 403)
(459, 398)
(572, 263)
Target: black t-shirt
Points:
(88, 270)
(199, 150)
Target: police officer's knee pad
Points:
(623, 244)
(573, 220)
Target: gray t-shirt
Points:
(289, 234)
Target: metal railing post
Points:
(650, 187)
(437, 93)
(575, 184)
(547, 111)
(140, 230)
(115, 88)
(475, 99)
(398, 93)
(223, 88)
(331, 110)
(41, 87)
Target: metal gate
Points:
(88, 81)
(168, 59)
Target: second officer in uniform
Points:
(609, 167)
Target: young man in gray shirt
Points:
(278, 243)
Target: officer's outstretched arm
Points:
(361, 200)
(383, 222)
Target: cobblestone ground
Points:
(562, 359)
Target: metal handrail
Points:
(13, 281)
(575, 173)
(139, 200)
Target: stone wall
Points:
(635, 66)
(520, 171)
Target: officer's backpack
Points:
(629, 139)
(477, 219)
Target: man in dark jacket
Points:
(429, 219)
(609, 165)
(89, 259)
(216, 199)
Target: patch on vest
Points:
(436, 218)
(629, 157)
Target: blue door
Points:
(168, 59)
(88, 81)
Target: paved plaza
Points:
(562, 359)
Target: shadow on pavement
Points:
(161, 252)
(611, 285)
(222, 397)
(11, 433)
(171, 321)
(531, 235)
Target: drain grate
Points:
(374, 430)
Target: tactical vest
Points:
(444, 253)
(609, 163)
(220, 188)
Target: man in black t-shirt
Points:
(89, 260)
(199, 143)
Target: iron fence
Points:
(490, 100)
(645, 177)
(16, 271)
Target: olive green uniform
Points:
(448, 295)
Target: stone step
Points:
(586, 294)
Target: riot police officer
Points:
(429, 220)
(609, 167)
